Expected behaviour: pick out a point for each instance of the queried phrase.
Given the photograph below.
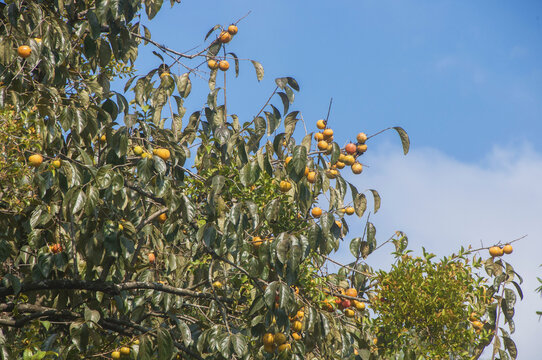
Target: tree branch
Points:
(105, 287)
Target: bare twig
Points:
(329, 109)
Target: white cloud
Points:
(443, 204)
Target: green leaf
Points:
(510, 345)
(91, 315)
(152, 7)
(293, 83)
(518, 289)
(272, 210)
(77, 201)
(214, 49)
(354, 246)
(360, 204)
(145, 348)
(95, 28)
(15, 283)
(146, 34)
(335, 152)
(371, 236)
(404, 138)
(217, 26)
(186, 334)
(290, 94)
(259, 69)
(165, 344)
(236, 59)
(270, 293)
(298, 164)
(285, 101)
(377, 199)
(272, 122)
(290, 122)
(239, 344)
(281, 82)
(283, 245)
(184, 85)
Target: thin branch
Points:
(380, 132)
(259, 112)
(329, 109)
(166, 49)
(247, 14)
(347, 267)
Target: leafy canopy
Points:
(197, 239)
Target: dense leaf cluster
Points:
(167, 239)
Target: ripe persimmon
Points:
(268, 339)
(316, 212)
(223, 65)
(318, 136)
(285, 186)
(508, 249)
(350, 148)
(349, 160)
(322, 145)
(224, 37)
(279, 339)
(357, 168)
(496, 251)
(212, 64)
(35, 160)
(163, 154)
(351, 292)
(297, 326)
(361, 148)
(24, 51)
(232, 29)
(257, 241)
(311, 177)
(361, 138)
(162, 218)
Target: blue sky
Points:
(464, 78)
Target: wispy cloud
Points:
(443, 204)
(463, 66)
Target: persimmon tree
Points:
(150, 233)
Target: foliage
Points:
(424, 307)
(18, 138)
(125, 245)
